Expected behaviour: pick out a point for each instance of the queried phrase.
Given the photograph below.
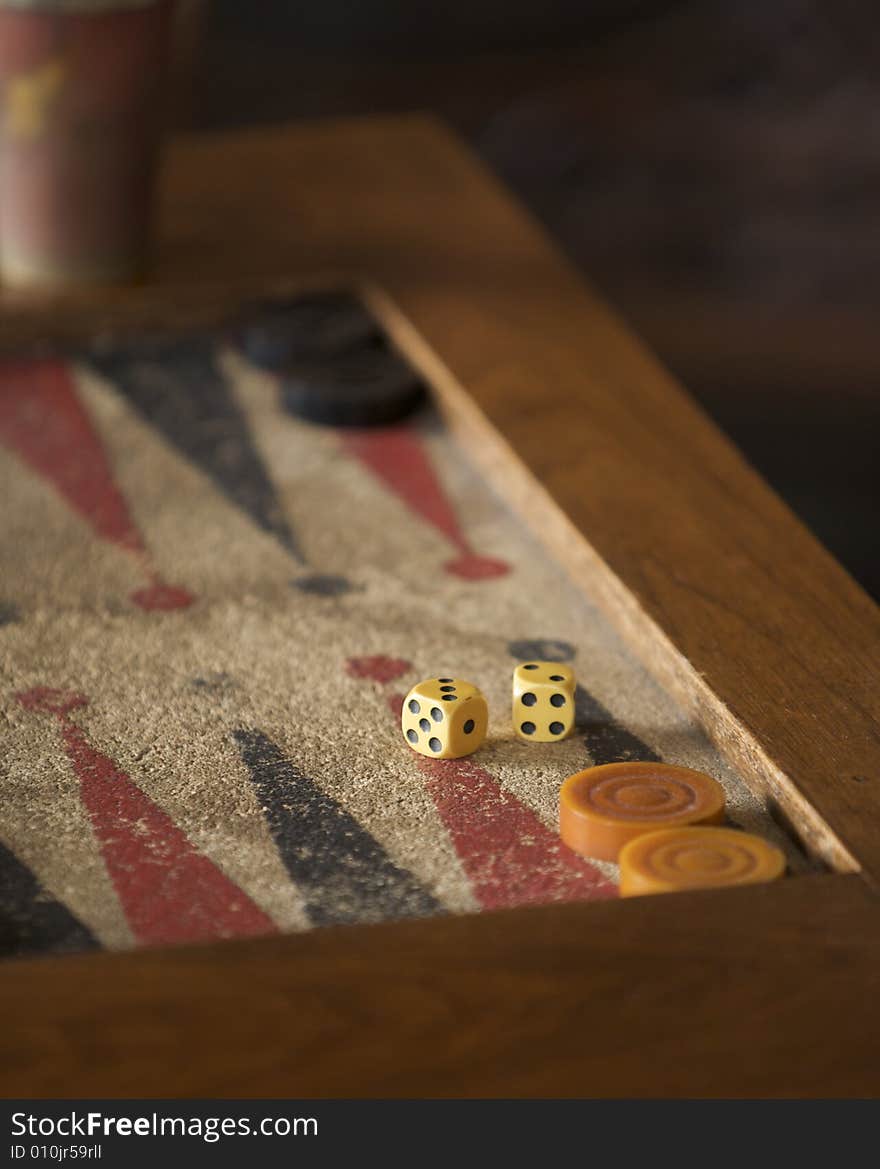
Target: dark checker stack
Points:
(335, 365)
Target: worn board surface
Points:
(212, 609)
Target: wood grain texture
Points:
(748, 992)
(719, 589)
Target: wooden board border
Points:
(723, 594)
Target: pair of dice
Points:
(447, 718)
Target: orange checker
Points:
(603, 808)
(675, 859)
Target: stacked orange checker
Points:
(675, 859)
(604, 808)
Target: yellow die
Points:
(543, 701)
(444, 718)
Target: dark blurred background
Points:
(713, 166)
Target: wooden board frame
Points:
(725, 596)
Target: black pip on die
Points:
(543, 701)
(444, 718)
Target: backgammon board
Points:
(212, 611)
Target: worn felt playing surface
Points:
(209, 613)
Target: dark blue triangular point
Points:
(177, 386)
(344, 874)
(31, 922)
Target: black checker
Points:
(274, 333)
(367, 386)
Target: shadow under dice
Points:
(543, 701)
(444, 718)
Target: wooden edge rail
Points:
(741, 992)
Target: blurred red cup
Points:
(81, 113)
